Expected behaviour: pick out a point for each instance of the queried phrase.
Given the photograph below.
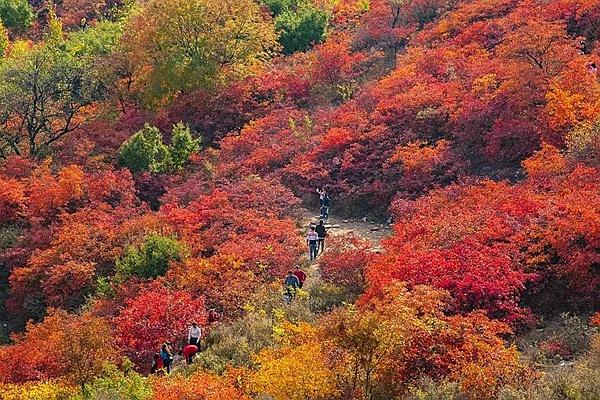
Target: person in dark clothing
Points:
(167, 357)
(300, 275)
(322, 232)
(157, 364)
(325, 207)
(291, 284)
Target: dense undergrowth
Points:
(155, 155)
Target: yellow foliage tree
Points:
(395, 341)
(3, 40)
(181, 45)
(297, 371)
(47, 390)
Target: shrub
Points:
(302, 27)
(428, 389)
(16, 14)
(145, 151)
(183, 145)
(579, 383)
(152, 258)
(407, 336)
(117, 385)
(279, 6)
(345, 261)
(325, 296)
(156, 315)
(3, 39)
(298, 372)
(583, 143)
(200, 386)
(42, 390)
(234, 343)
(71, 347)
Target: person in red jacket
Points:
(300, 275)
(188, 352)
(157, 364)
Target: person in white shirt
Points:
(322, 193)
(312, 239)
(195, 334)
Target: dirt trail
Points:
(336, 225)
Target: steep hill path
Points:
(375, 231)
(337, 226)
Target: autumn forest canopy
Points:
(158, 159)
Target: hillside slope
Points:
(160, 161)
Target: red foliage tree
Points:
(155, 316)
(12, 198)
(493, 245)
(231, 221)
(345, 261)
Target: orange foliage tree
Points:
(225, 282)
(405, 336)
(67, 346)
(199, 385)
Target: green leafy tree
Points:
(279, 6)
(145, 151)
(16, 14)
(98, 40)
(182, 146)
(45, 94)
(117, 385)
(152, 258)
(301, 27)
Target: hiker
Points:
(167, 356)
(325, 207)
(312, 239)
(291, 284)
(157, 364)
(322, 193)
(300, 275)
(322, 233)
(195, 334)
(188, 352)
